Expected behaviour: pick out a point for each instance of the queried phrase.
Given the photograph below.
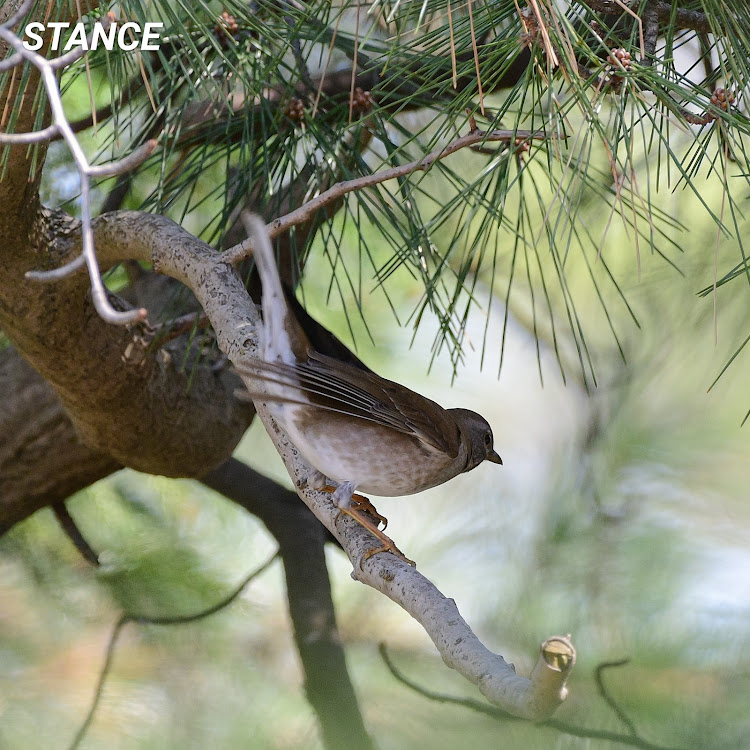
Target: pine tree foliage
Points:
(253, 100)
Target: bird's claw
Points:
(361, 513)
(388, 547)
(363, 504)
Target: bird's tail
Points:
(277, 343)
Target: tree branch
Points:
(307, 210)
(632, 738)
(683, 18)
(73, 533)
(237, 324)
(33, 420)
(42, 459)
(164, 412)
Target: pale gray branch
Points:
(58, 273)
(85, 170)
(36, 136)
(11, 62)
(113, 168)
(16, 18)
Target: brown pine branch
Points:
(683, 18)
(335, 193)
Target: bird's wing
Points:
(319, 337)
(334, 386)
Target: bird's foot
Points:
(363, 504)
(365, 515)
(388, 545)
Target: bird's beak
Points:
(492, 456)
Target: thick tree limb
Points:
(40, 444)
(237, 324)
(42, 459)
(165, 412)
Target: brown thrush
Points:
(361, 431)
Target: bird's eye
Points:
(488, 439)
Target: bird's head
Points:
(477, 434)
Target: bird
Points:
(360, 431)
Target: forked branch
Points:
(61, 126)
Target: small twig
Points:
(128, 163)
(146, 620)
(47, 70)
(36, 136)
(58, 273)
(683, 19)
(474, 705)
(73, 533)
(609, 700)
(240, 251)
(499, 715)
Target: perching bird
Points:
(361, 431)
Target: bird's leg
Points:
(363, 504)
(343, 496)
(315, 480)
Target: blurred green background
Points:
(620, 517)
